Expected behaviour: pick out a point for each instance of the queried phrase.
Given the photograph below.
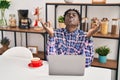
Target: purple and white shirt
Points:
(75, 43)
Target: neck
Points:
(71, 28)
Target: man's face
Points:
(72, 19)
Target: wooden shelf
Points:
(31, 30)
(40, 55)
(111, 64)
(84, 4)
(108, 36)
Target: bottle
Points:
(114, 26)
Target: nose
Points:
(71, 15)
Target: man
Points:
(71, 40)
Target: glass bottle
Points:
(114, 26)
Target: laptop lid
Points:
(66, 65)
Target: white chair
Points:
(21, 52)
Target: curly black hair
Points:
(79, 15)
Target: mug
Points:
(36, 62)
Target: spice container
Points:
(104, 26)
(114, 26)
(12, 21)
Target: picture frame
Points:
(33, 49)
(98, 1)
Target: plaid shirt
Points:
(74, 43)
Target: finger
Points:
(42, 24)
(48, 24)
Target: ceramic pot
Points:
(102, 59)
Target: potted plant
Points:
(102, 51)
(61, 22)
(5, 44)
(4, 4)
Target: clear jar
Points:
(85, 24)
(12, 20)
(114, 26)
(104, 27)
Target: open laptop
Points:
(73, 65)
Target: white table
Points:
(17, 69)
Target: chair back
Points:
(21, 52)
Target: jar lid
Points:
(115, 19)
(105, 19)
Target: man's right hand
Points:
(48, 28)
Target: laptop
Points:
(70, 65)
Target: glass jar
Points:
(104, 26)
(114, 26)
(12, 21)
(85, 24)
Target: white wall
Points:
(37, 39)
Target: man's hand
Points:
(48, 28)
(94, 28)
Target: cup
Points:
(36, 62)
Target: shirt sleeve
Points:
(89, 51)
(51, 46)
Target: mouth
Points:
(71, 20)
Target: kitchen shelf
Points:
(108, 36)
(110, 64)
(40, 54)
(83, 4)
(26, 31)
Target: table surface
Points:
(15, 68)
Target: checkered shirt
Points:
(75, 43)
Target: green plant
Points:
(61, 19)
(103, 50)
(4, 4)
(5, 41)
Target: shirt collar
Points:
(74, 32)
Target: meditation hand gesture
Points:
(48, 28)
(94, 28)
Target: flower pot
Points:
(102, 59)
